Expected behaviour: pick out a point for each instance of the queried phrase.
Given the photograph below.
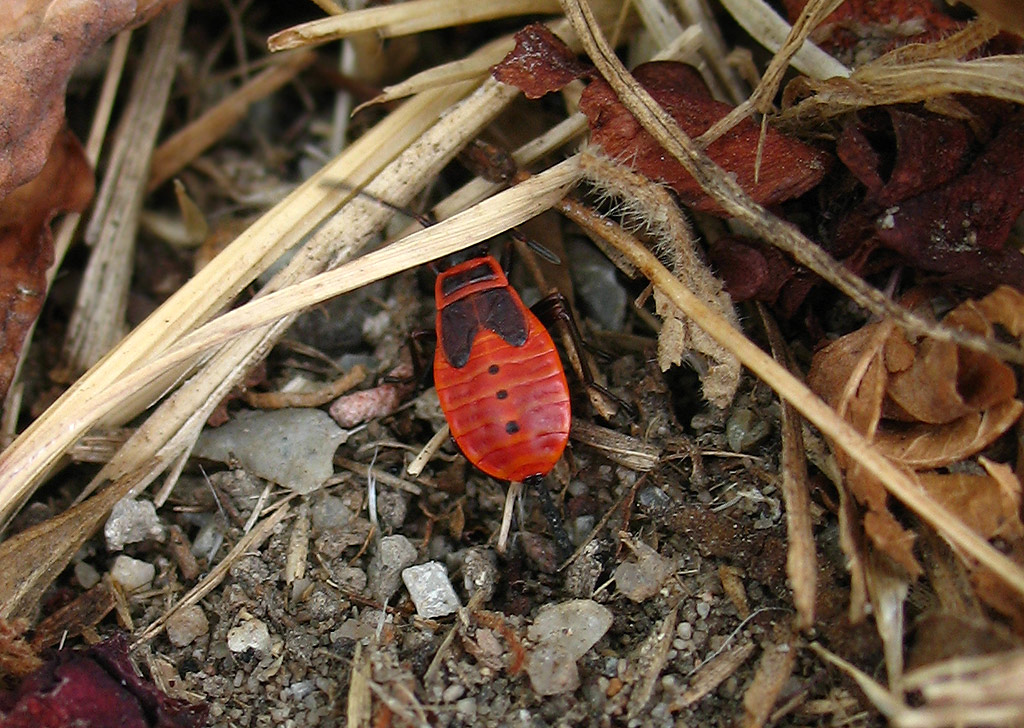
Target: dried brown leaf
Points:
(936, 446)
(983, 502)
(41, 42)
(26, 241)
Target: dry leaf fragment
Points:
(983, 502)
(960, 229)
(26, 242)
(41, 42)
(540, 63)
(788, 168)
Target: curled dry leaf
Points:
(925, 405)
(26, 242)
(983, 502)
(788, 168)
(41, 42)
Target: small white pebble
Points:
(452, 693)
(703, 609)
(185, 625)
(86, 575)
(249, 634)
(131, 573)
(430, 589)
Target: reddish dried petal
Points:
(750, 270)
(864, 29)
(960, 229)
(788, 168)
(94, 688)
(26, 242)
(930, 151)
(540, 63)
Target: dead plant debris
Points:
(851, 555)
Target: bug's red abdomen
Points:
(498, 375)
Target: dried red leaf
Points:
(960, 228)
(864, 29)
(930, 151)
(749, 269)
(948, 202)
(41, 42)
(540, 63)
(788, 168)
(94, 688)
(26, 242)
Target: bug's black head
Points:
(449, 261)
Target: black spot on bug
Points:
(493, 369)
(502, 394)
(511, 427)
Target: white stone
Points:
(249, 634)
(132, 521)
(186, 625)
(131, 573)
(431, 590)
(563, 633)
(575, 625)
(293, 447)
(86, 574)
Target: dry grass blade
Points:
(191, 141)
(98, 321)
(404, 19)
(801, 559)
(877, 84)
(28, 458)
(794, 43)
(771, 30)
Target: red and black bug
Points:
(498, 375)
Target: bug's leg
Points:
(420, 353)
(551, 515)
(554, 309)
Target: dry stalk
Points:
(881, 83)
(801, 558)
(192, 140)
(795, 42)
(405, 19)
(98, 321)
(773, 32)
